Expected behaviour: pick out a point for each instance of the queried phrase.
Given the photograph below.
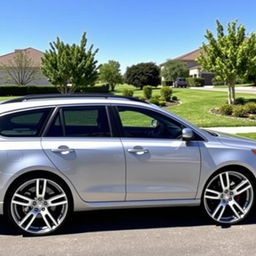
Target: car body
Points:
(180, 82)
(86, 152)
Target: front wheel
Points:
(228, 197)
(38, 205)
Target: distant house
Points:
(195, 69)
(34, 54)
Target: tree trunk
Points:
(231, 94)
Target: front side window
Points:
(143, 123)
(80, 122)
(27, 123)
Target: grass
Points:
(248, 135)
(196, 105)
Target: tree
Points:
(227, 55)
(143, 74)
(21, 68)
(173, 69)
(250, 51)
(110, 73)
(69, 66)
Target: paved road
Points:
(168, 231)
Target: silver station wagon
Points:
(64, 153)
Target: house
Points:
(194, 67)
(36, 60)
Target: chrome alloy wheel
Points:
(228, 197)
(39, 206)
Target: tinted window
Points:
(23, 124)
(80, 122)
(142, 123)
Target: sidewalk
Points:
(250, 90)
(234, 130)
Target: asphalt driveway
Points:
(166, 231)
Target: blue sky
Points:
(129, 31)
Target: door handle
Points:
(138, 150)
(64, 150)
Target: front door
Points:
(160, 165)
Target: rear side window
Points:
(80, 122)
(27, 123)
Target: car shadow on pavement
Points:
(128, 219)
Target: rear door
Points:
(79, 142)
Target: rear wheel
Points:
(228, 197)
(38, 205)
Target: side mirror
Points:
(187, 134)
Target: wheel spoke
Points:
(234, 211)
(51, 217)
(222, 211)
(216, 210)
(26, 217)
(222, 182)
(25, 198)
(58, 203)
(20, 203)
(240, 188)
(212, 194)
(46, 221)
(43, 190)
(54, 198)
(227, 179)
(238, 206)
(31, 221)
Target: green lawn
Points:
(195, 106)
(248, 135)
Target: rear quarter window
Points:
(27, 123)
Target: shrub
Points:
(239, 111)
(141, 98)
(226, 109)
(128, 92)
(174, 98)
(154, 100)
(121, 87)
(162, 103)
(166, 93)
(250, 107)
(239, 101)
(195, 81)
(147, 91)
(24, 90)
(252, 116)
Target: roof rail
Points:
(69, 95)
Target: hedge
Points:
(195, 81)
(25, 90)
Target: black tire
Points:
(38, 212)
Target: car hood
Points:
(234, 140)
